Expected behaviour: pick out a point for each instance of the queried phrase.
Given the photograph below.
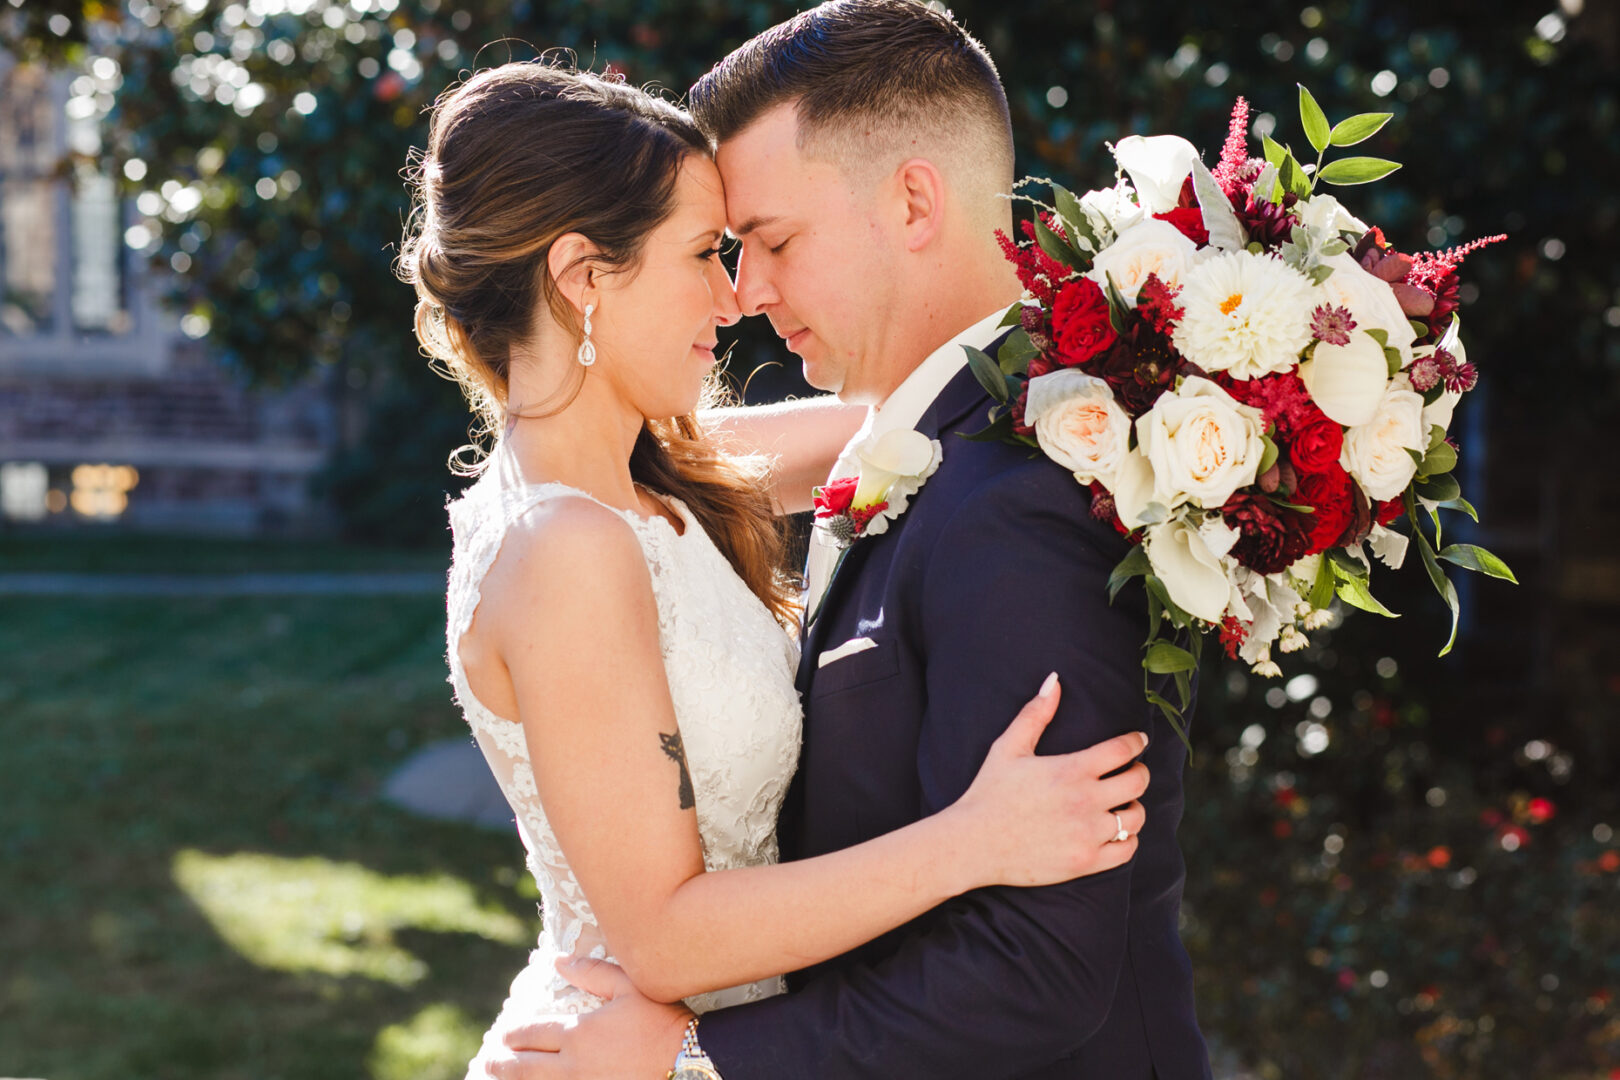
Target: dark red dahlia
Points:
(1269, 223)
(1139, 368)
(1272, 539)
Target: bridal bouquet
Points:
(1254, 384)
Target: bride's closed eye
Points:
(708, 253)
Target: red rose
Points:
(1190, 220)
(1315, 441)
(1331, 494)
(1390, 509)
(833, 499)
(1080, 325)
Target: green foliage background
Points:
(1434, 893)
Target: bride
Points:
(617, 606)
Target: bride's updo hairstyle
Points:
(519, 156)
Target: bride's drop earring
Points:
(587, 348)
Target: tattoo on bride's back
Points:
(677, 753)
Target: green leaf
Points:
(1437, 435)
(1345, 565)
(1053, 244)
(1293, 177)
(1015, 353)
(1068, 207)
(1421, 329)
(1014, 316)
(1296, 507)
(1473, 557)
(1392, 361)
(988, 372)
(1001, 428)
(1462, 504)
(1268, 457)
(1379, 335)
(1322, 591)
(1438, 461)
(1133, 565)
(1173, 715)
(1164, 658)
(1177, 616)
(1357, 170)
(1119, 312)
(1440, 489)
(1442, 585)
(1354, 591)
(1314, 120)
(1358, 128)
(1273, 151)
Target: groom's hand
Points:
(628, 1038)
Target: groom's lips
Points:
(795, 339)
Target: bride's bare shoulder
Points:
(565, 561)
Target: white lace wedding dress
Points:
(730, 670)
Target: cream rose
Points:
(1375, 453)
(1371, 302)
(1191, 573)
(1202, 443)
(1347, 382)
(1158, 167)
(1149, 247)
(1078, 424)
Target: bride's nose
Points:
(726, 311)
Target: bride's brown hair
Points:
(518, 156)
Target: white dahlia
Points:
(1246, 314)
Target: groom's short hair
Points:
(863, 71)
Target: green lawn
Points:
(196, 876)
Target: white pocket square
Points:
(848, 648)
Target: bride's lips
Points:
(706, 351)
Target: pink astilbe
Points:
(1234, 161)
(1435, 274)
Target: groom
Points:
(865, 146)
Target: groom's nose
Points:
(755, 290)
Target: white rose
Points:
(1078, 424)
(1158, 167)
(1375, 453)
(1347, 382)
(1191, 573)
(1110, 211)
(1150, 247)
(1371, 302)
(1325, 212)
(1202, 443)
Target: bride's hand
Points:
(1039, 820)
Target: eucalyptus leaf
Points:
(1357, 170)
(1379, 335)
(1473, 557)
(1421, 329)
(1439, 460)
(1357, 128)
(1437, 435)
(1393, 360)
(1440, 489)
(988, 372)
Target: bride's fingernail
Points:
(1049, 685)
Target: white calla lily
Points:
(1191, 573)
(1347, 382)
(1158, 166)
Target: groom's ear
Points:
(922, 188)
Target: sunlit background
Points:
(221, 536)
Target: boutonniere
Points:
(892, 467)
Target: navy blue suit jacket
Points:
(993, 577)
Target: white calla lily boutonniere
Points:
(893, 466)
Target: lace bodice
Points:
(730, 671)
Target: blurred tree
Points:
(1396, 870)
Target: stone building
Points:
(112, 411)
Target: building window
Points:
(24, 490)
(29, 123)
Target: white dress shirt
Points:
(901, 409)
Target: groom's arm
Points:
(1000, 981)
